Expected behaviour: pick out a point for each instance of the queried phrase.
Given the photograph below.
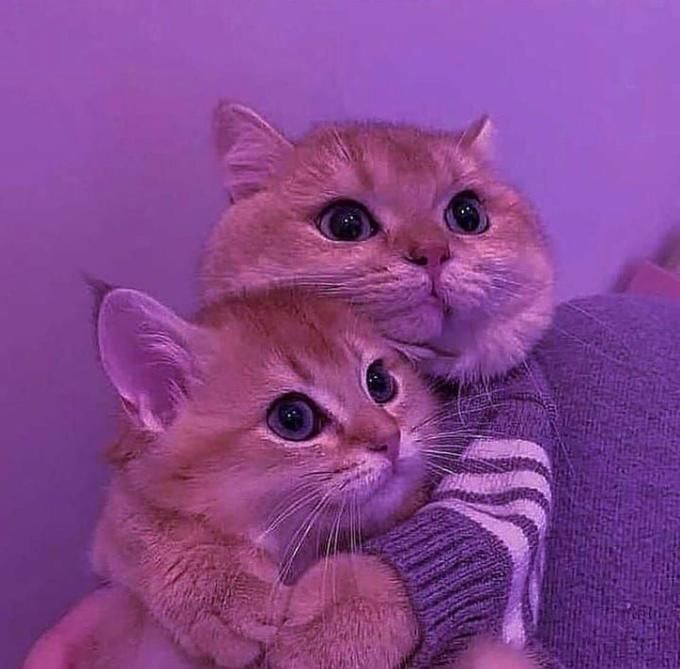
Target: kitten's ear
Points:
(249, 147)
(480, 136)
(143, 347)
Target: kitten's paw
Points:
(347, 612)
(247, 624)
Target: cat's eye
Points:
(465, 214)
(346, 221)
(380, 383)
(294, 417)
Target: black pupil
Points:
(466, 214)
(379, 383)
(347, 223)
(292, 417)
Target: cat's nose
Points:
(388, 445)
(431, 257)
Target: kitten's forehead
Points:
(294, 333)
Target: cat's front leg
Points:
(219, 597)
(213, 601)
(347, 612)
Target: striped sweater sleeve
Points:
(472, 559)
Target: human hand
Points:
(490, 654)
(108, 629)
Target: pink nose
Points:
(430, 257)
(389, 445)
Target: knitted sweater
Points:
(599, 402)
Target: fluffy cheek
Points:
(482, 282)
(238, 487)
(464, 285)
(246, 494)
(403, 493)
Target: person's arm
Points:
(108, 629)
(60, 646)
(471, 560)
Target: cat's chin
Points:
(394, 498)
(420, 324)
(476, 346)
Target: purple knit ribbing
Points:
(458, 577)
(459, 573)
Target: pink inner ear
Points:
(480, 136)
(142, 346)
(250, 148)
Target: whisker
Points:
(352, 527)
(305, 527)
(335, 548)
(304, 531)
(459, 434)
(359, 525)
(290, 509)
(609, 329)
(476, 466)
(594, 349)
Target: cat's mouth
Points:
(437, 293)
(362, 484)
(434, 294)
(380, 485)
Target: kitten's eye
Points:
(294, 417)
(465, 214)
(347, 221)
(380, 383)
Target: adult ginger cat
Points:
(418, 232)
(410, 225)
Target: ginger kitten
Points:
(261, 436)
(410, 225)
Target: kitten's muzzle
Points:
(387, 445)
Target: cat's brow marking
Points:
(354, 350)
(299, 369)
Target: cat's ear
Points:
(480, 136)
(143, 347)
(249, 147)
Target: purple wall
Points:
(105, 166)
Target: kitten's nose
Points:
(432, 257)
(387, 444)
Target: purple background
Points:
(106, 167)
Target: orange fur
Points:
(361, 619)
(204, 515)
(495, 295)
(110, 630)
